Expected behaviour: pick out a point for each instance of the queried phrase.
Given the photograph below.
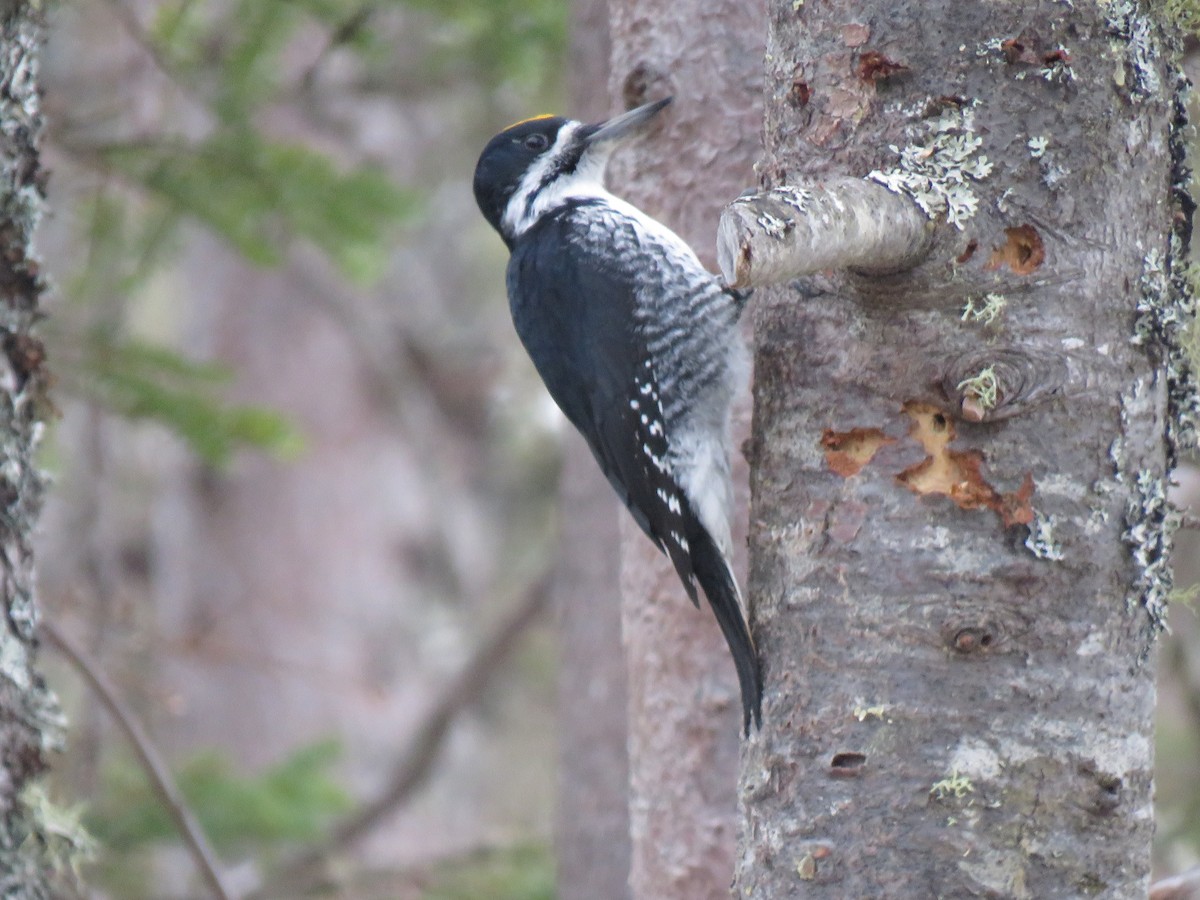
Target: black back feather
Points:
(577, 320)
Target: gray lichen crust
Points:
(33, 722)
(1150, 532)
(938, 168)
(1166, 313)
(1041, 541)
(1164, 325)
(1127, 23)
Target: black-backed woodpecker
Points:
(637, 343)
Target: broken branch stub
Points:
(990, 383)
(841, 223)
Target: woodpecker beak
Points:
(627, 124)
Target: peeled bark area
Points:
(950, 464)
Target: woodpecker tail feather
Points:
(715, 576)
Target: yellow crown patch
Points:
(530, 119)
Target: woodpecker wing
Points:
(575, 301)
(575, 313)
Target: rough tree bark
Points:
(591, 829)
(684, 716)
(959, 534)
(29, 725)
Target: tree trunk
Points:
(684, 708)
(952, 464)
(29, 718)
(591, 829)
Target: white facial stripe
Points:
(584, 182)
(516, 212)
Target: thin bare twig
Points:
(152, 762)
(351, 26)
(415, 763)
(128, 21)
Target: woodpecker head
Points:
(533, 166)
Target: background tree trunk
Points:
(958, 649)
(353, 582)
(29, 718)
(684, 708)
(591, 829)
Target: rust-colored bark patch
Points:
(1022, 251)
(25, 352)
(874, 66)
(1020, 50)
(958, 474)
(1016, 508)
(846, 452)
(1059, 57)
(968, 251)
(800, 93)
(855, 34)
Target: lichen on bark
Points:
(31, 724)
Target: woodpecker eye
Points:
(536, 142)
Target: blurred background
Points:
(306, 511)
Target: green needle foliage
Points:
(293, 801)
(260, 194)
(147, 381)
(524, 872)
(229, 65)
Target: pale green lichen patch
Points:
(1037, 145)
(63, 844)
(806, 867)
(954, 785)
(862, 712)
(984, 388)
(938, 168)
(1184, 15)
(984, 311)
